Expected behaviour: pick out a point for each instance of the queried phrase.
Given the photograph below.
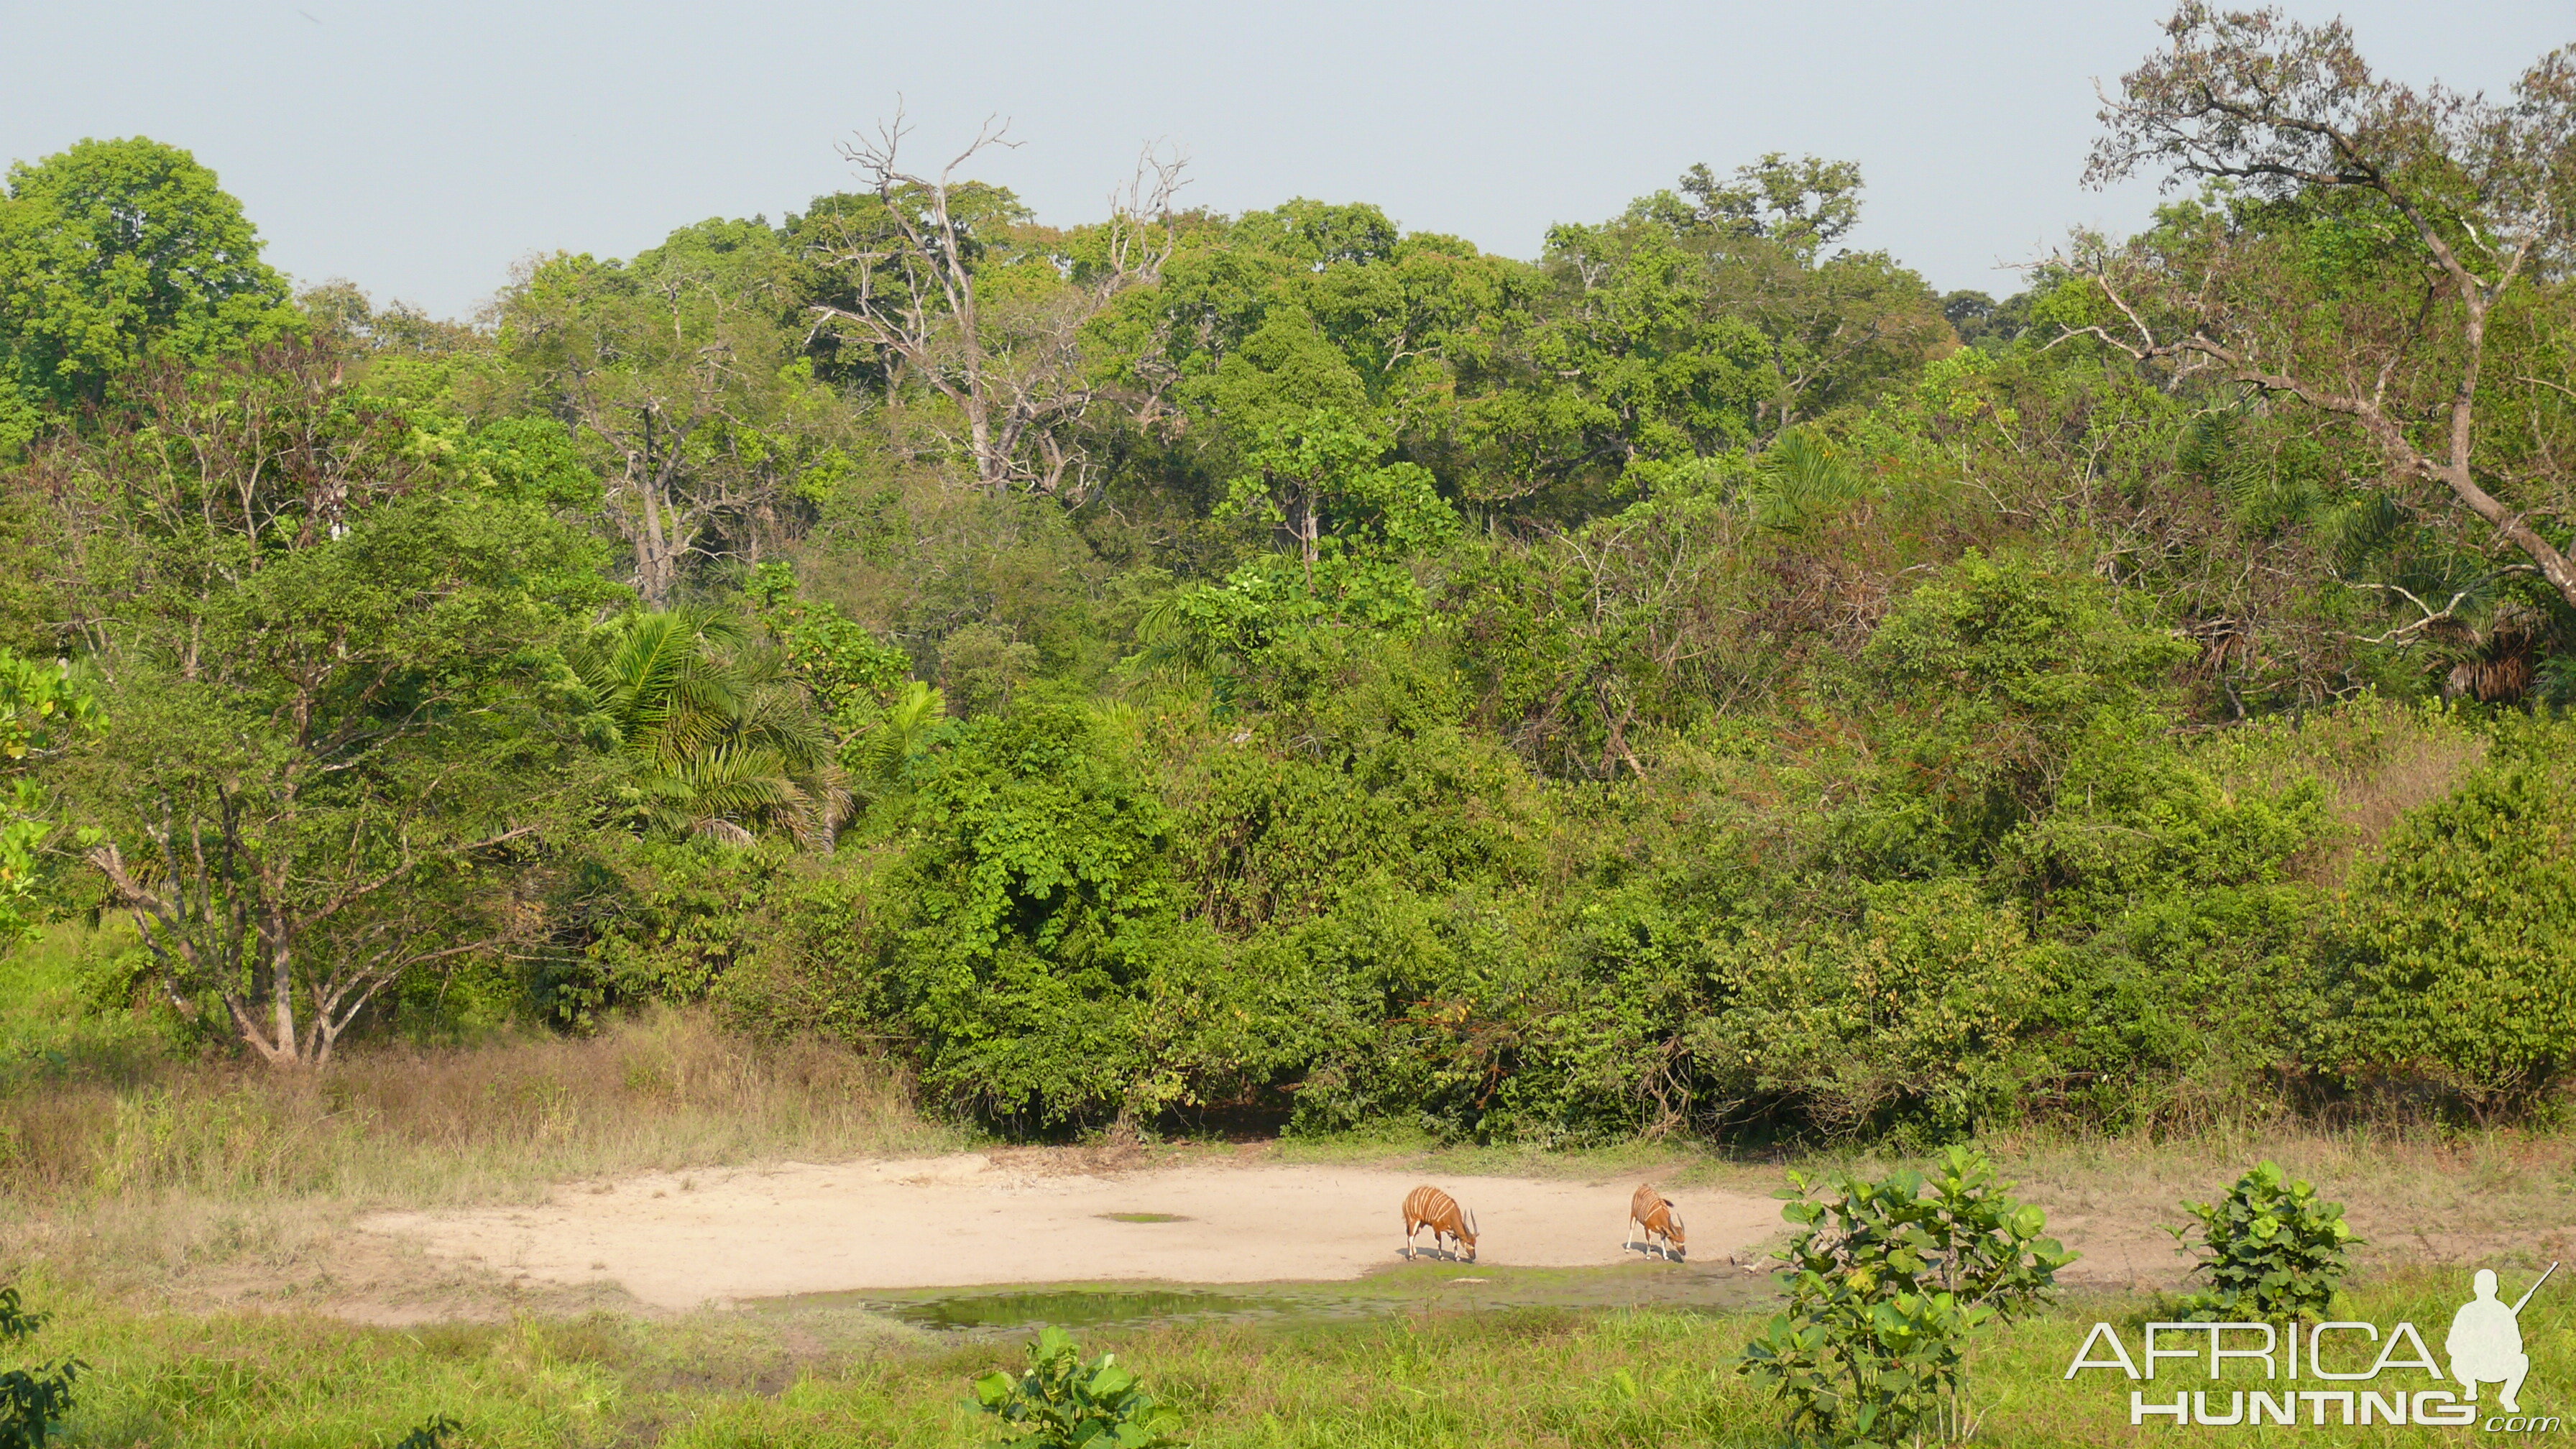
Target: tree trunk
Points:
(1306, 531)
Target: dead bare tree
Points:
(1009, 360)
(2457, 201)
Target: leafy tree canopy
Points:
(114, 253)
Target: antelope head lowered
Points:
(1655, 1212)
(1429, 1207)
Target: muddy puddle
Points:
(1412, 1288)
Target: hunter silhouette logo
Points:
(2485, 1343)
(2361, 1375)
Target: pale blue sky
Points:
(420, 149)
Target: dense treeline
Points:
(1700, 680)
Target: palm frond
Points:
(1800, 479)
(725, 744)
(878, 756)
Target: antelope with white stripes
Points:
(1654, 1212)
(1429, 1207)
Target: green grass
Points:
(136, 1176)
(1522, 1377)
(51, 1022)
(135, 1167)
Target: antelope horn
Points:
(1471, 1220)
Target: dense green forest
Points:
(1188, 669)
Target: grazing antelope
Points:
(1429, 1207)
(1654, 1212)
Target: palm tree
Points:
(1800, 480)
(877, 755)
(723, 742)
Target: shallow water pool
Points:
(1410, 1288)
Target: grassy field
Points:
(136, 1169)
(129, 1166)
(1523, 1377)
(186, 1223)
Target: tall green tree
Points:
(339, 724)
(1702, 324)
(2391, 259)
(1312, 305)
(685, 389)
(1348, 515)
(114, 253)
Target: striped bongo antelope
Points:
(1654, 1212)
(1429, 1207)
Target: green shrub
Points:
(2449, 963)
(1040, 874)
(430, 1435)
(2173, 1014)
(649, 920)
(1031, 941)
(1911, 1020)
(2271, 1249)
(1063, 1403)
(32, 1401)
(43, 712)
(1886, 1282)
(1992, 673)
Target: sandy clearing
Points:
(677, 1241)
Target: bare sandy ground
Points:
(678, 1241)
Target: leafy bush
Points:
(1910, 1020)
(1994, 672)
(1886, 1282)
(430, 1435)
(2449, 964)
(1029, 941)
(2271, 1249)
(1063, 1403)
(2172, 1014)
(42, 712)
(32, 1401)
(649, 920)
